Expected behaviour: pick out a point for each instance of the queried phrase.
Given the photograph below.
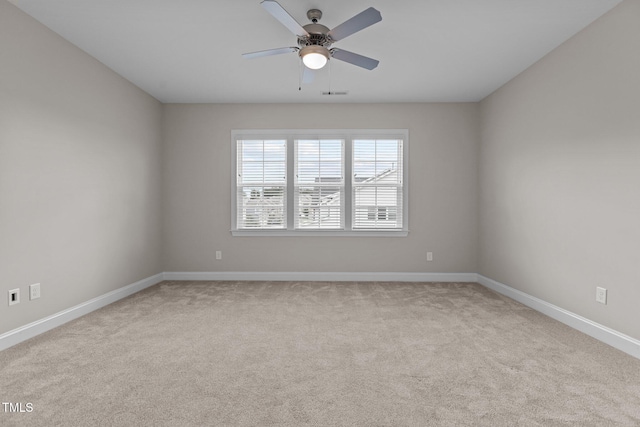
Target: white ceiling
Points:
(189, 51)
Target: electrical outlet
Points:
(14, 296)
(429, 256)
(601, 295)
(218, 254)
(34, 291)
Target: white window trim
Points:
(348, 135)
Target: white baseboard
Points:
(323, 276)
(38, 327)
(609, 336)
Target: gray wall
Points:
(79, 174)
(101, 186)
(443, 142)
(560, 175)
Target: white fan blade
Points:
(269, 52)
(355, 24)
(355, 59)
(278, 12)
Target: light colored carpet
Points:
(319, 354)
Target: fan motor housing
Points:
(317, 36)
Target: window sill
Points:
(319, 233)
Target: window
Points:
(319, 184)
(338, 182)
(377, 183)
(261, 189)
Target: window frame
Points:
(348, 136)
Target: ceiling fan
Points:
(315, 40)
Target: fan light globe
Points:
(314, 57)
(315, 61)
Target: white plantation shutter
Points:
(261, 189)
(377, 184)
(319, 184)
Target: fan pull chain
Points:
(330, 77)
